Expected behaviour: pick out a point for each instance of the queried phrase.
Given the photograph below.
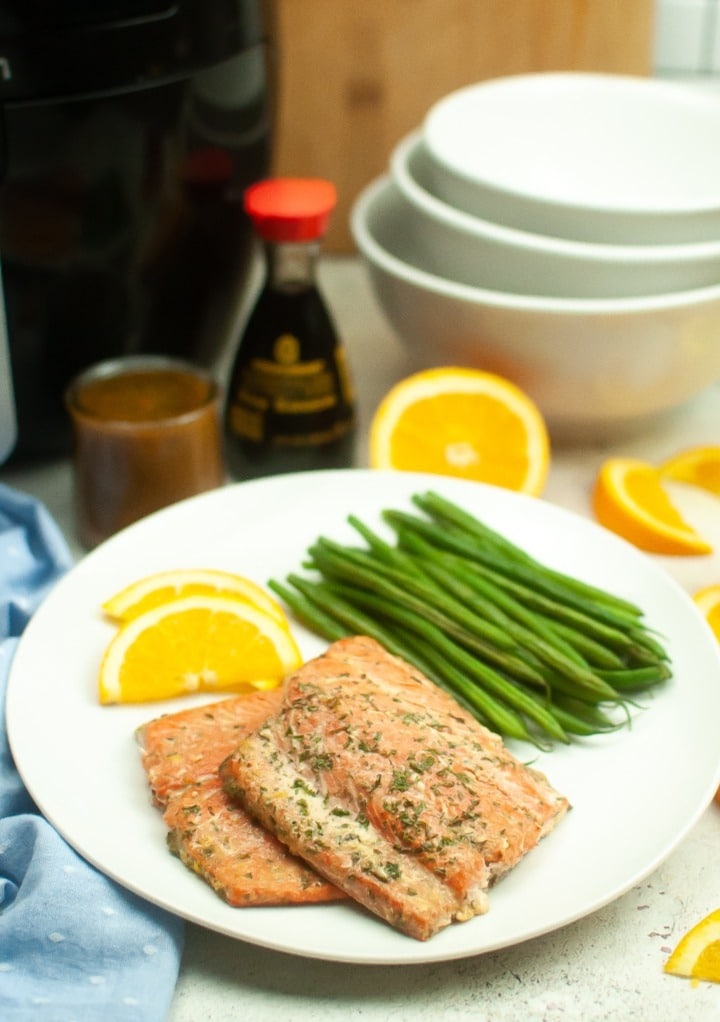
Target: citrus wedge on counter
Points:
(699, 466)
(708, 602)
(697, 956)
(629, 499)
(158, 588)
(196, 643)
(465, 423)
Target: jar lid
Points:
(290, 208)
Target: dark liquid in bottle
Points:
(289, 406)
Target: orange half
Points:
(465, 423)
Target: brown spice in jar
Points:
(147, 434)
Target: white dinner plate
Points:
(635, 793)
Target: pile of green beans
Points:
(532, 653)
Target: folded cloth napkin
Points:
(74, 946)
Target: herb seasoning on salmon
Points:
(389, 789)
(207, 830)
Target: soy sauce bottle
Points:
(289, 403)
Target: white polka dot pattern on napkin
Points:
(74, 947)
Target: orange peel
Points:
(161, 586)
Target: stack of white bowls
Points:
(562, 229)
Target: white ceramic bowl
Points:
(594, 367)
(475, 251)
(594, 157)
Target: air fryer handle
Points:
(3, 133)
(8, 418)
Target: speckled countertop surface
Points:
(606, 966)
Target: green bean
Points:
(385, 551)
(531, 652)
(334, 565)
(576, 722)
(649, 645)
(502, 687)
(457, 576)
(349, 619)
(326, 596)
(436, 506)
(360, 566)
(583, 622)
(592, 652)
(547, 647)
(637, 678)
(446, 611)
(309, 613)
(585, 630)
(459, 543)
(500, 716)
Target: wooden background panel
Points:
(357, 75)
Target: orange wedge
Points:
(629, 499)
(708, 602)
(699, 466)
(197, 643)
(465, 423)
(697, 956)
(158, 588)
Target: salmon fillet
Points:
(208, 831)
(186, 747)
(390, 789)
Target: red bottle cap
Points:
(290, 208)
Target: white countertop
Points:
(606, 966)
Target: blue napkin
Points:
(74, 946)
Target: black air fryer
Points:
(128, 132)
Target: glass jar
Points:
(147, 434)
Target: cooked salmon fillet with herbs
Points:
(186, 747)
(389, 789)
(207, 830)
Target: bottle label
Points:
(289, 401)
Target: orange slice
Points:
(465, 423)
(697, 956)
(699, 466)
(195, 644)
(708, 601)
(158, 588)
(629, 499)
